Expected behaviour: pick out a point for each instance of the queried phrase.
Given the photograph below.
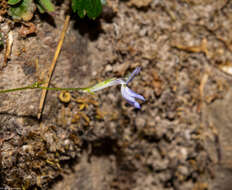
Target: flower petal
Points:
(134, 103)
(134, 94)
(133, 74)
(126, 94)
(130, 96)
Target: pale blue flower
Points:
(126, 92)
(130, 95)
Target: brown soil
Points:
(181, 137)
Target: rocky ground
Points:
(179, 140)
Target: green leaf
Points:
(13, 2)
(24, 10)
(45, 5)
(92, 8)
(40, 8)
(74, 5)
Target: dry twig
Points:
(9, 43)
(44, 92)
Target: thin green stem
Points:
(37, 86)
(17, 89)
(91, 89)
(65, 89)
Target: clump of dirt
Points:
(3, 7)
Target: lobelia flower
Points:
(126, 92)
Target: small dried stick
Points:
(46, 85)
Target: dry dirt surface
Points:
(181, 137)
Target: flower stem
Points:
(17, 89)
(37, 86)
(60, 89)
